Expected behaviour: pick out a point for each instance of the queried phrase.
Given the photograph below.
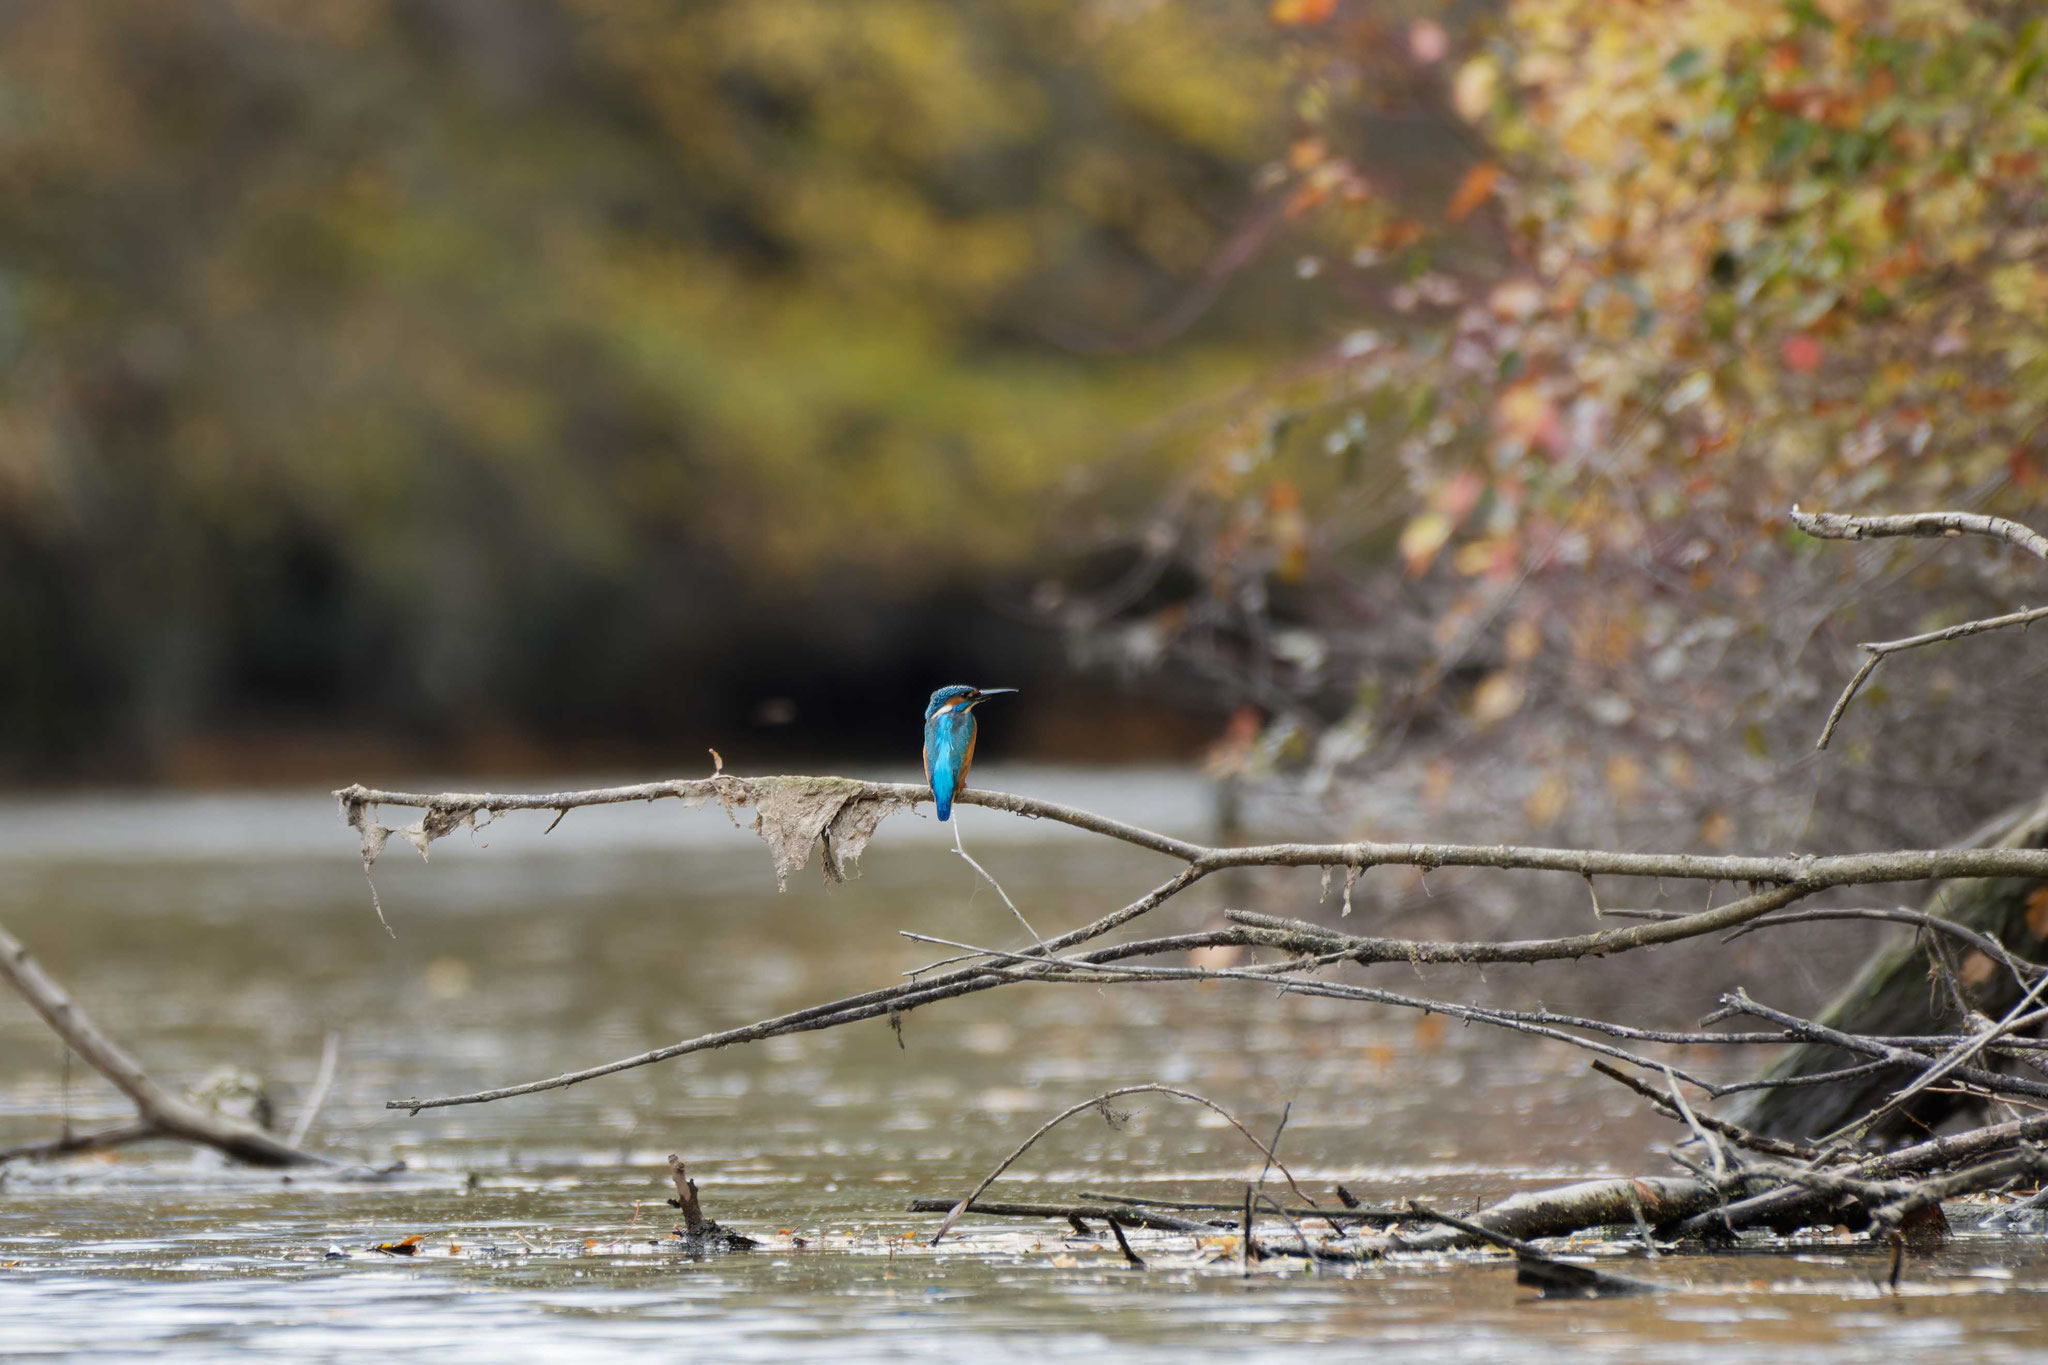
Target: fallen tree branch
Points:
(1107, 1212)
(1354, 1213)
(1662, 1200)
(796, 813)
(159, 1113)
(94, 1140)
(1787, 1202)
(1104, 965)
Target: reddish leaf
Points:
(1801, 352)
(1475, 189)
(1299, 13)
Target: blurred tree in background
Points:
(580, 367)
(1699, 261)
(501, 372)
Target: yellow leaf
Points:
(1526, 413)
(1297, 13)
(1422, 538)
(1624, 776)
(1498, 696)
(1548, 801)
(1472, 90)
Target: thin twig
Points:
(2015, 1018)
(1358, 1213)
(1479, 1230)
(1735, 1133)
(961, 849)
(1123, 1244)
(1104, 1098)
(2020, 968)
(1158, 1222)
(1840, 526)
(1849, 1042)
(1877, 651)
(330, 1053)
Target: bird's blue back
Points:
(948, 744)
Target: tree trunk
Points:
(1895, 993)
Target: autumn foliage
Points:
(1703, 261)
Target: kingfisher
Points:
(949, 739)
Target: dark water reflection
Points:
(530, 957)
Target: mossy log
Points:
(1895, 993)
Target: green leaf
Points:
(1686, 63)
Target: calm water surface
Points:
(236, 932)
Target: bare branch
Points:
(2020, 968)
(1788, 1201)
(97, 1140)
(1660, 1200)
(1969, 1180)
(1842, 526)
(1735, 1133)
(447, 811)
(1108, 1212)
(159, 1113)
(1878, 650)
(1869, 1047)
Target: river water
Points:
(237, 932)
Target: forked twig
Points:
(1840, 526)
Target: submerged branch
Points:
(159, 1113)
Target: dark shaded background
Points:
(513, 382)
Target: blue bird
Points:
(949, 740)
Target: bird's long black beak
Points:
(985, 693)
